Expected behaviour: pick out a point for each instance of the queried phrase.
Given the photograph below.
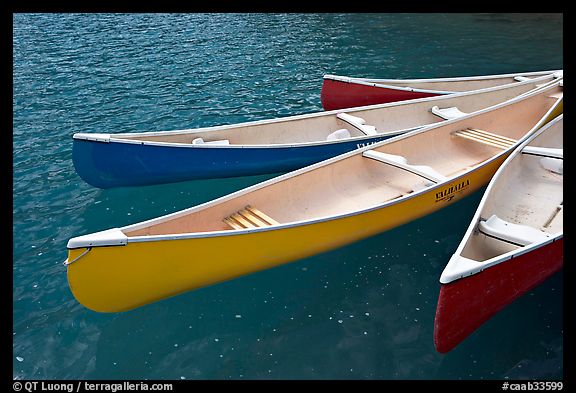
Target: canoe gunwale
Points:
(393, 87)
(446, 279)
(390, 83)
(447, 79)
(360, 138)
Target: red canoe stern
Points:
(338, 94)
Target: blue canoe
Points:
(266, 146)
(107, 162)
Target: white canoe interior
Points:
(332, 126)
(525, 204)
(450, 85)
(361, 179)
(522, 207)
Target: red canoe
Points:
(339, 92)
(514, 242)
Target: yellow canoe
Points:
(305, 212)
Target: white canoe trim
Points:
(390, 83)
(383, 84)
(108, 237)
(556, 73)
(118, 137)
(93, 137)
(459, 266)
(150, 238)
(109, 138)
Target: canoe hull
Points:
(164, 268)
(118, 164)
(338, 94)
(490, 291)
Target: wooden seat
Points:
(249, 217)
(486, 138)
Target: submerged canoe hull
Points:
(490, 291)
(338, 94)
(119, 278)
(118, 164)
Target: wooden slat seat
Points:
(485, 137)
(249, 217)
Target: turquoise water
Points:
(365, 311)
